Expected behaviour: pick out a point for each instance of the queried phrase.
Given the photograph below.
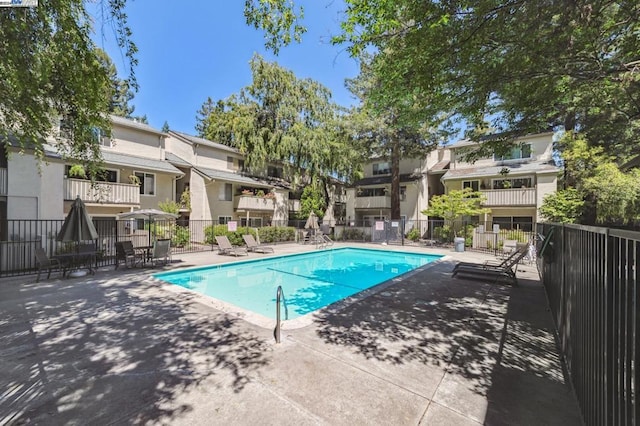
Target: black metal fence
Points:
(591, 278)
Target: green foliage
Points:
(267, 234)
(51, 68)
(311, 200)
(169, 206)
(413, 234)
(444, 233)
(352, 234)
(456, 204)
(279, 19)
(616, 194)
(519, 236)
(77, 171)
(564, 206)
(275, 234)
(181, 236)
(284, 119)
(185, 200)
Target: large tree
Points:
(280, 118)
(390, 127)
(51, 68)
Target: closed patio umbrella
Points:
(312, 222)
(77, 226)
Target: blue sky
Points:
(191, 50)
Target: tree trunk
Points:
(395, 180)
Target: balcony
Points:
(250, 203)
(377, 202)
(510, 197)
(3, 181)
(102, 193)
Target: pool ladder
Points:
(280, 299)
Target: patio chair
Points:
(126, 253)
(44, 262)
(225, 247)
(161, 251)
(508, 247)
(490, 272)
(252, 245)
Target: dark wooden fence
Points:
(591, 278)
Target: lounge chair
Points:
(491, 272)
(252, 245)
(225, 247)
(161, 252)
(126, 253)
(492, 264)
(44, 262)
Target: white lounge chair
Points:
(225, 247)
(252, 245)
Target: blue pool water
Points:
(310, 281)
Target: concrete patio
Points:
(121, 348)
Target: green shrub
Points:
(413, 235)
(275, 234)
(353, 234)
(181, 236)
(267, 234)
(444, 233)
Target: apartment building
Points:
(145, 167)
(514, 185)
(369, 199)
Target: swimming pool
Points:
(310, 281)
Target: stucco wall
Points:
(136, 142)
(547, 184)
(541, 150)
(33, 195)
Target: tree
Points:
(120, 92)
(311, 200)
(389, 128)
(456, 204)
(280, 118)
(165, 127)
(51, 68)
(564, 206)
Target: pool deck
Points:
(119, 347)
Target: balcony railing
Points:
(3, 182)
(378, 202)
(248, 202)
(103, 192)
(510, 197)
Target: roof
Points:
(231, 177)
(514, 169)
(200, 141)
(176, 161)
(139, 162)
(440, 166)
(467, 142)
(379, 180)
(127, 122)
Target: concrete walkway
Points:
(120, 348)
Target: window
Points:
(524, 223)
(241, 165)
(108, 176)
(517, 152)
(230, 163)
(225, 193)
(403, 193)
(222, 220)
(254, 222)
(372, 192)
(512, 183)
(381, 168)
(147, 183)
(473, 184)
(273, 171)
